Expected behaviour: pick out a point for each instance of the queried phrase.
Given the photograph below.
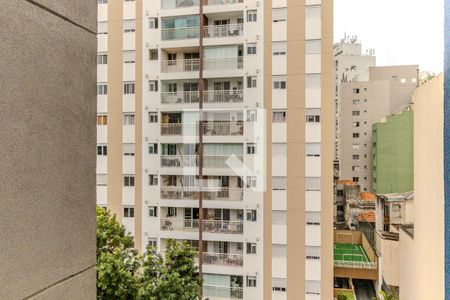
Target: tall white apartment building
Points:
(215, 126)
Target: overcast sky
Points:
(401, 31)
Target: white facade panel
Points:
(129, 41)
(313, 63)
(313, 98)
(279, 200)
(102, 134)
(128, 164)
(279, 132)
(313, 167)
(102, 192)
(313, 23)
(129, 72)
(102, 164)
(102, 103)
(313, 201)
(279, 31)
(128, 195)
(312, 270)
(102, 12)
(128, 132)
(102, 73)
(129, 225)
(279, 267)
(279, 98)
(279, 235)
(312, 235)
(102, 43)
(128, 103)
(313, 132)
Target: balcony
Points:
(224, 64)
(210, 96)
(209, 226)
(221, 2)
(181, 33)
(180, 65)
(178, 161)
(235, 128)
(222, 31)
(223, 259)
(209, 161)
(209, 193)
(222, 292)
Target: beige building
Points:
(47, 163)
(388, 91)
(265, 226)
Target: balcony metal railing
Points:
(221, 2)
(222, 292)
(182, 33)
(223, 96)
(219, 31)
(209, 128)
(179, 161)
(179, 97)
(180, 65)
(209, 193)
(224, 259)
(224, 64)
(210, 96)
(355, 264)
(210, 226)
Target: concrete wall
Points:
(392, 150)
(429, 190)
(47, 154)
(407, 270)
(389, 260)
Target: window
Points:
(153, 54)
(355, 157)
(251, 82)
(102, 1)
(153, 117)
(279, 15)
(278, 285)
(251, 115)
(128, 88)
(153, 23)
(128, 149)
(152, 242)
(172, 212)
(355, 113)
(102, 59)
(128, 119)
(102, 89)
(279, 116)
(312, 115)
(251, 248)
(355, 101)
(152, 179)
(251, 48)
(128, 181)
(355, 146)
(355, 124)
(312, 149)
(153, 85)
(102, 28)
(279, 83)
(355, 179)
(403, 80)
(312, 253)
(102, 120)
(279, 48)
(355, 168)
(279, 183)
(129, 57)
(129, 26)
(102, 150)
(251, 215)
(152, 148)
(251, 16)
(152, 211)
(356, 91)
(355, 135)
(251, 281)
(313, 47)
(128, 212)
(312, 218)
(312, 183)
(102, 179)
(251, 181)
(251, 148)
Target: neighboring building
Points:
(388, 91)
(392, 154)
(429, 251)
(393, 213)
(47, 115)
(351, 66)
(346, 191)
(266, 123)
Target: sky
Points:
(401, 31)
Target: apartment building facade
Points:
(388, 91)
(215, 127)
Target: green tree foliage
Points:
(386, 296)
(124, 275)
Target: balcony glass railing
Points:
(222, 292)
(209, 226)
(180, 65)
(209, 193)
(220, 31)
(224, 64)
(209, 161)
(355, 264)
(224, 259)
(173, 4)
(210, 96)
(169, 161)
(181, 33)
(221, 2)
(235, 128)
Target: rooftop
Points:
(367, 216)
(366, 196)
(397, 197)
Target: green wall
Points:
(392, 154)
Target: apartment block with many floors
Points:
(215, 127)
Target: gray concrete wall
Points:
(47, 150)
